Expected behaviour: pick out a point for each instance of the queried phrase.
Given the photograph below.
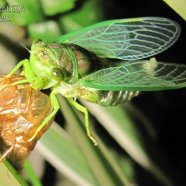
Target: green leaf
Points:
(178, 6)
(47, 31)
(9, 176)
(57, 6)
(121, 164)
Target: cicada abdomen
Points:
(22, 110)
(113, 98)
(105, 98)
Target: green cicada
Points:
(101, 63)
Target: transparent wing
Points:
(126, 39)
(138, 76)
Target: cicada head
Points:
(45, 62)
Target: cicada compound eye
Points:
(58, 74)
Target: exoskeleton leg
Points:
(7, 153)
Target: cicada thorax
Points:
(22, 110)
(68, 54)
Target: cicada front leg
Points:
(17, 67)
(47, 120)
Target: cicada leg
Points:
(56, 107)
(17, 67)
(29, 73)
(7, 153)
(85, 111)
